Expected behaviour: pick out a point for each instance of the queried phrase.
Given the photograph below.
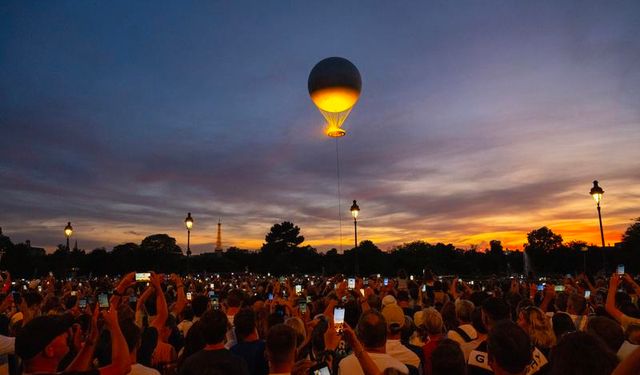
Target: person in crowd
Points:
(607, 330)
(281, 349)
(394, 317)
(494, 310)
(250, 347)
(448, 359)
(464, 334)
(434, 328)
(133, 336)
(214, 357)
(577, 309)
(509, 349)
(43, 342)
(372, 332)
(581, 353)
(562, 323)
(610, 306)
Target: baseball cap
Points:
(39, 332)
(388, 300)
(393, 314)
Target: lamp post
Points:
(68, 231)
(597, 193)
(188, 222)
(355, 210)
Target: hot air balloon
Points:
(334, 86)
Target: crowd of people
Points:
(148, 323)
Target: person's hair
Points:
(432, 321)
(372, 329)
(476, 320)
(509, 346)
(562, 323)
(403, 296)
(447, 358)
(193, 342)
(609, 331)
(576, 303)
(132, 334)
(199, 304)
(281, 344)
(464, 310)
(582, 353)
(148, 343)
(245, 323)
(448, 312)
(298, 325)
(235, 298)
(494, 310)
(538, 327)
(214, 325)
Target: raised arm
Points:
(82, 361)
(610, 306)
(161, 303)
(181, 302)
(120, 363)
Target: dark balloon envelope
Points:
(334, 86)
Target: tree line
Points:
(283, 252)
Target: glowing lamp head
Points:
(596, 192)
(355, 210)
(68, 230)
(188, 222)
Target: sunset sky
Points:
(478, 120)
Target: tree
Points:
(631, 237)
(541, 242)
(496, 248)
(282, 238)
(161, 243)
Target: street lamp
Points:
(188, 222)
(355, 210)
(597, 193)
(68, 231)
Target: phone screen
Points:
(143, 277)
(133, 299)
(351, 283)
(386, 281)
(587, 293)
(103, 300)
(320, 369)
(559, 288)
(82, 303)
(189, 296)
(298, 289)
(338, 316)
(303, 308)
(620, 269)
(424, 288)
(540, 287)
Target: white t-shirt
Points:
(138, 369)
(350, 365)
(625, 349)
(402, 353)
